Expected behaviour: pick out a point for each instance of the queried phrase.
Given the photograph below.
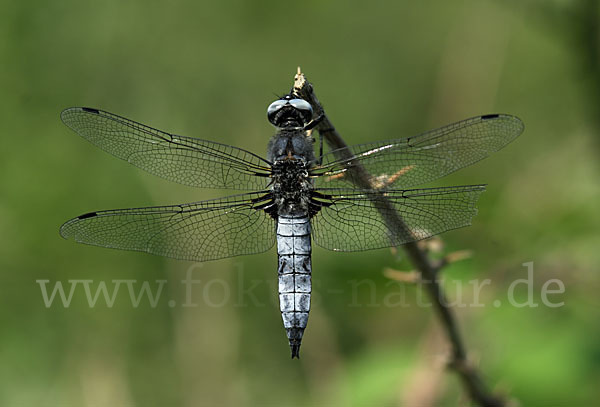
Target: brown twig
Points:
(427, 267)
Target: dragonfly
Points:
(291, 198)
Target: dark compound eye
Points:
(275, 106)
(304, 107)
(301, 104)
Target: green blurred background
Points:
(382, 70)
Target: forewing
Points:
(199, 231)
(363, 220)
(416, 160)
(186, 160)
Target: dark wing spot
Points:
(87, 215)
(489, 116)
(90, 110)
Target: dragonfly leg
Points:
(314, 122)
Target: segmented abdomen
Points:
(294, 249)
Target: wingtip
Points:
(64, 112)
(68, 110)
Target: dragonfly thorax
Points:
(291, 144)
(291, 187)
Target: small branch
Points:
(427, 268)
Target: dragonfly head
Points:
(289, 112)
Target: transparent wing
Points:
(186, 160)
(357, 220)
(199, 231)
(416, 160)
